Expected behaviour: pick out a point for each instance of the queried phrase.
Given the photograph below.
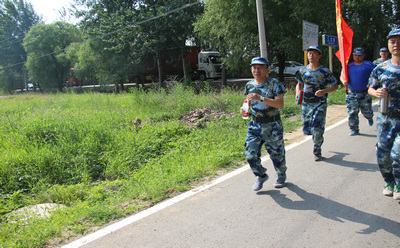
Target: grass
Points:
(88, 153)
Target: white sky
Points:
(48, 9)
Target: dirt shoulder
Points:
(334, 114)
(200, 116)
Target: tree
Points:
(228, 26)
(47, 62)
(166, 35)
(231, 27)
(85, 62)
(126, 44)
(371, 21)
(16, 19)
(106, 22)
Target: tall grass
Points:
(89, 153)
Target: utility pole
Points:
(261, 29)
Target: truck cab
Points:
(209, 65)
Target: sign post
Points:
(330, 41)
(310, 37)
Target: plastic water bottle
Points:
(300, 97)
(383, 104)
(245, 108)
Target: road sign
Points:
(329, 40)
(310, 34)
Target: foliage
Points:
(170, 32)
(229, 27)
(370, 26)
(84, 60)
(47, 62)
(232, 28)
(122, 34)
(134, 32)
(16, 19)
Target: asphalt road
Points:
(336, 202)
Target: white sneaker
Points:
(388, 190)
(396, 192)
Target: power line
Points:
(9, 43)
(10, 38)
(109, 33)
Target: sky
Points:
(48, 9)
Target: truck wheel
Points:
(193, 76)
(203, 76)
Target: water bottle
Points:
(245, 108)
(300, 97)
(383, 104)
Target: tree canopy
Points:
(16, 19)
(232, 27)
(47, 62)
(130, 31)
(116, 39)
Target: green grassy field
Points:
(89, 153)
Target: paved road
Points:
(333, 203)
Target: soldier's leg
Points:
(366, 107)
(384, 147)
(319, 128)
(307, 115)
(353, 110)
(275, 147)
(395, 153)
(253, 148)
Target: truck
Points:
(200, 65)
(73, 80)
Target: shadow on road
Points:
(339, 159)
(333, 210)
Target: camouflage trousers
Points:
(268, 134)
(388, 148)
(356, 102)
(314, 118)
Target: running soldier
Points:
(265, 96)
(385, 83)
(316, 81)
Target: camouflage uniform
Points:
(388, 125)
(313, 107)
(357, 97)
(270, 134)
(378, 61)
(314, 119)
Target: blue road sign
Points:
(329, 40)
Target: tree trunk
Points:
(186, 76)
(160, 78)
(281, 56)
(224, 83)
(58, 73)
(377, 46)
(121, 83)
(116, 87)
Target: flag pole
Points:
(345, 39)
